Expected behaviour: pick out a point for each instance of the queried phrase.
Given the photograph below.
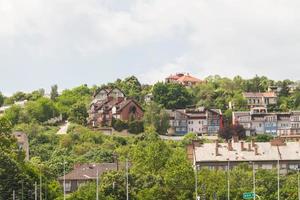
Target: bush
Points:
(136, 127)
(263, 138)
(119, 125)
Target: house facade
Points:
(198, 120)
(233, 153)
(84, 173)
(283, 124)
(260, 99)
(112, 104)
(184, 79)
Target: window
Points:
(266, 166)
(68, 186)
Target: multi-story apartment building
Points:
(265, 155)
(197, 120)
(260, 99)
(259, 121)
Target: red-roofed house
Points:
(184, 79)
(109, 104)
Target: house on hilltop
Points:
(184, 79)
(109, 104)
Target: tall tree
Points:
(54, 92)
(156, 117)
(1, 99)
(171, 95)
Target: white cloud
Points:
(226, 37)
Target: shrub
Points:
(136, 127)
(120, 125)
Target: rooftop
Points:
(89, 171)
(265, 152)
(259, 94)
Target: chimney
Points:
(230, 148)
(217, 143)
(217, 151)
(217, 148)
(235, 139)
(256, 151)
(242, 146)
(249, 147)
(253, 143)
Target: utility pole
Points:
(298, 183)
(22, 195)
(254, 185)
(127, 193)
(35, 191)
(14, 194)
(97, 190)
(228, 181)
(196, 182)
(64, 179)
(278, 180)
(41, 192)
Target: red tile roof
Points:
(188, 78)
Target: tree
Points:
(41, 110)
(131, 87)
(119, 125)
(78, 113)
(5, 126)
(1, 99)
(135, 127)
(171, 95)
(54, 92)
(178, 176)
(229, 132)
(157, 117)
(13, 114)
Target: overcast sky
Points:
(72, 42)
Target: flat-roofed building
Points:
(264, 155)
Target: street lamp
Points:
(298, 177)
(228, 179)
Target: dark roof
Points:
(88, 171)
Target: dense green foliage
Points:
(156, 117)
(171, 95)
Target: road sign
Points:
(248, 195)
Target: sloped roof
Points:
(89, 171)
(188, 78)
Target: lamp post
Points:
(196, 182)
(278, 180)
(64, 179)
(298, 177)
(254, 180)
(228, 181)
(97, 189)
